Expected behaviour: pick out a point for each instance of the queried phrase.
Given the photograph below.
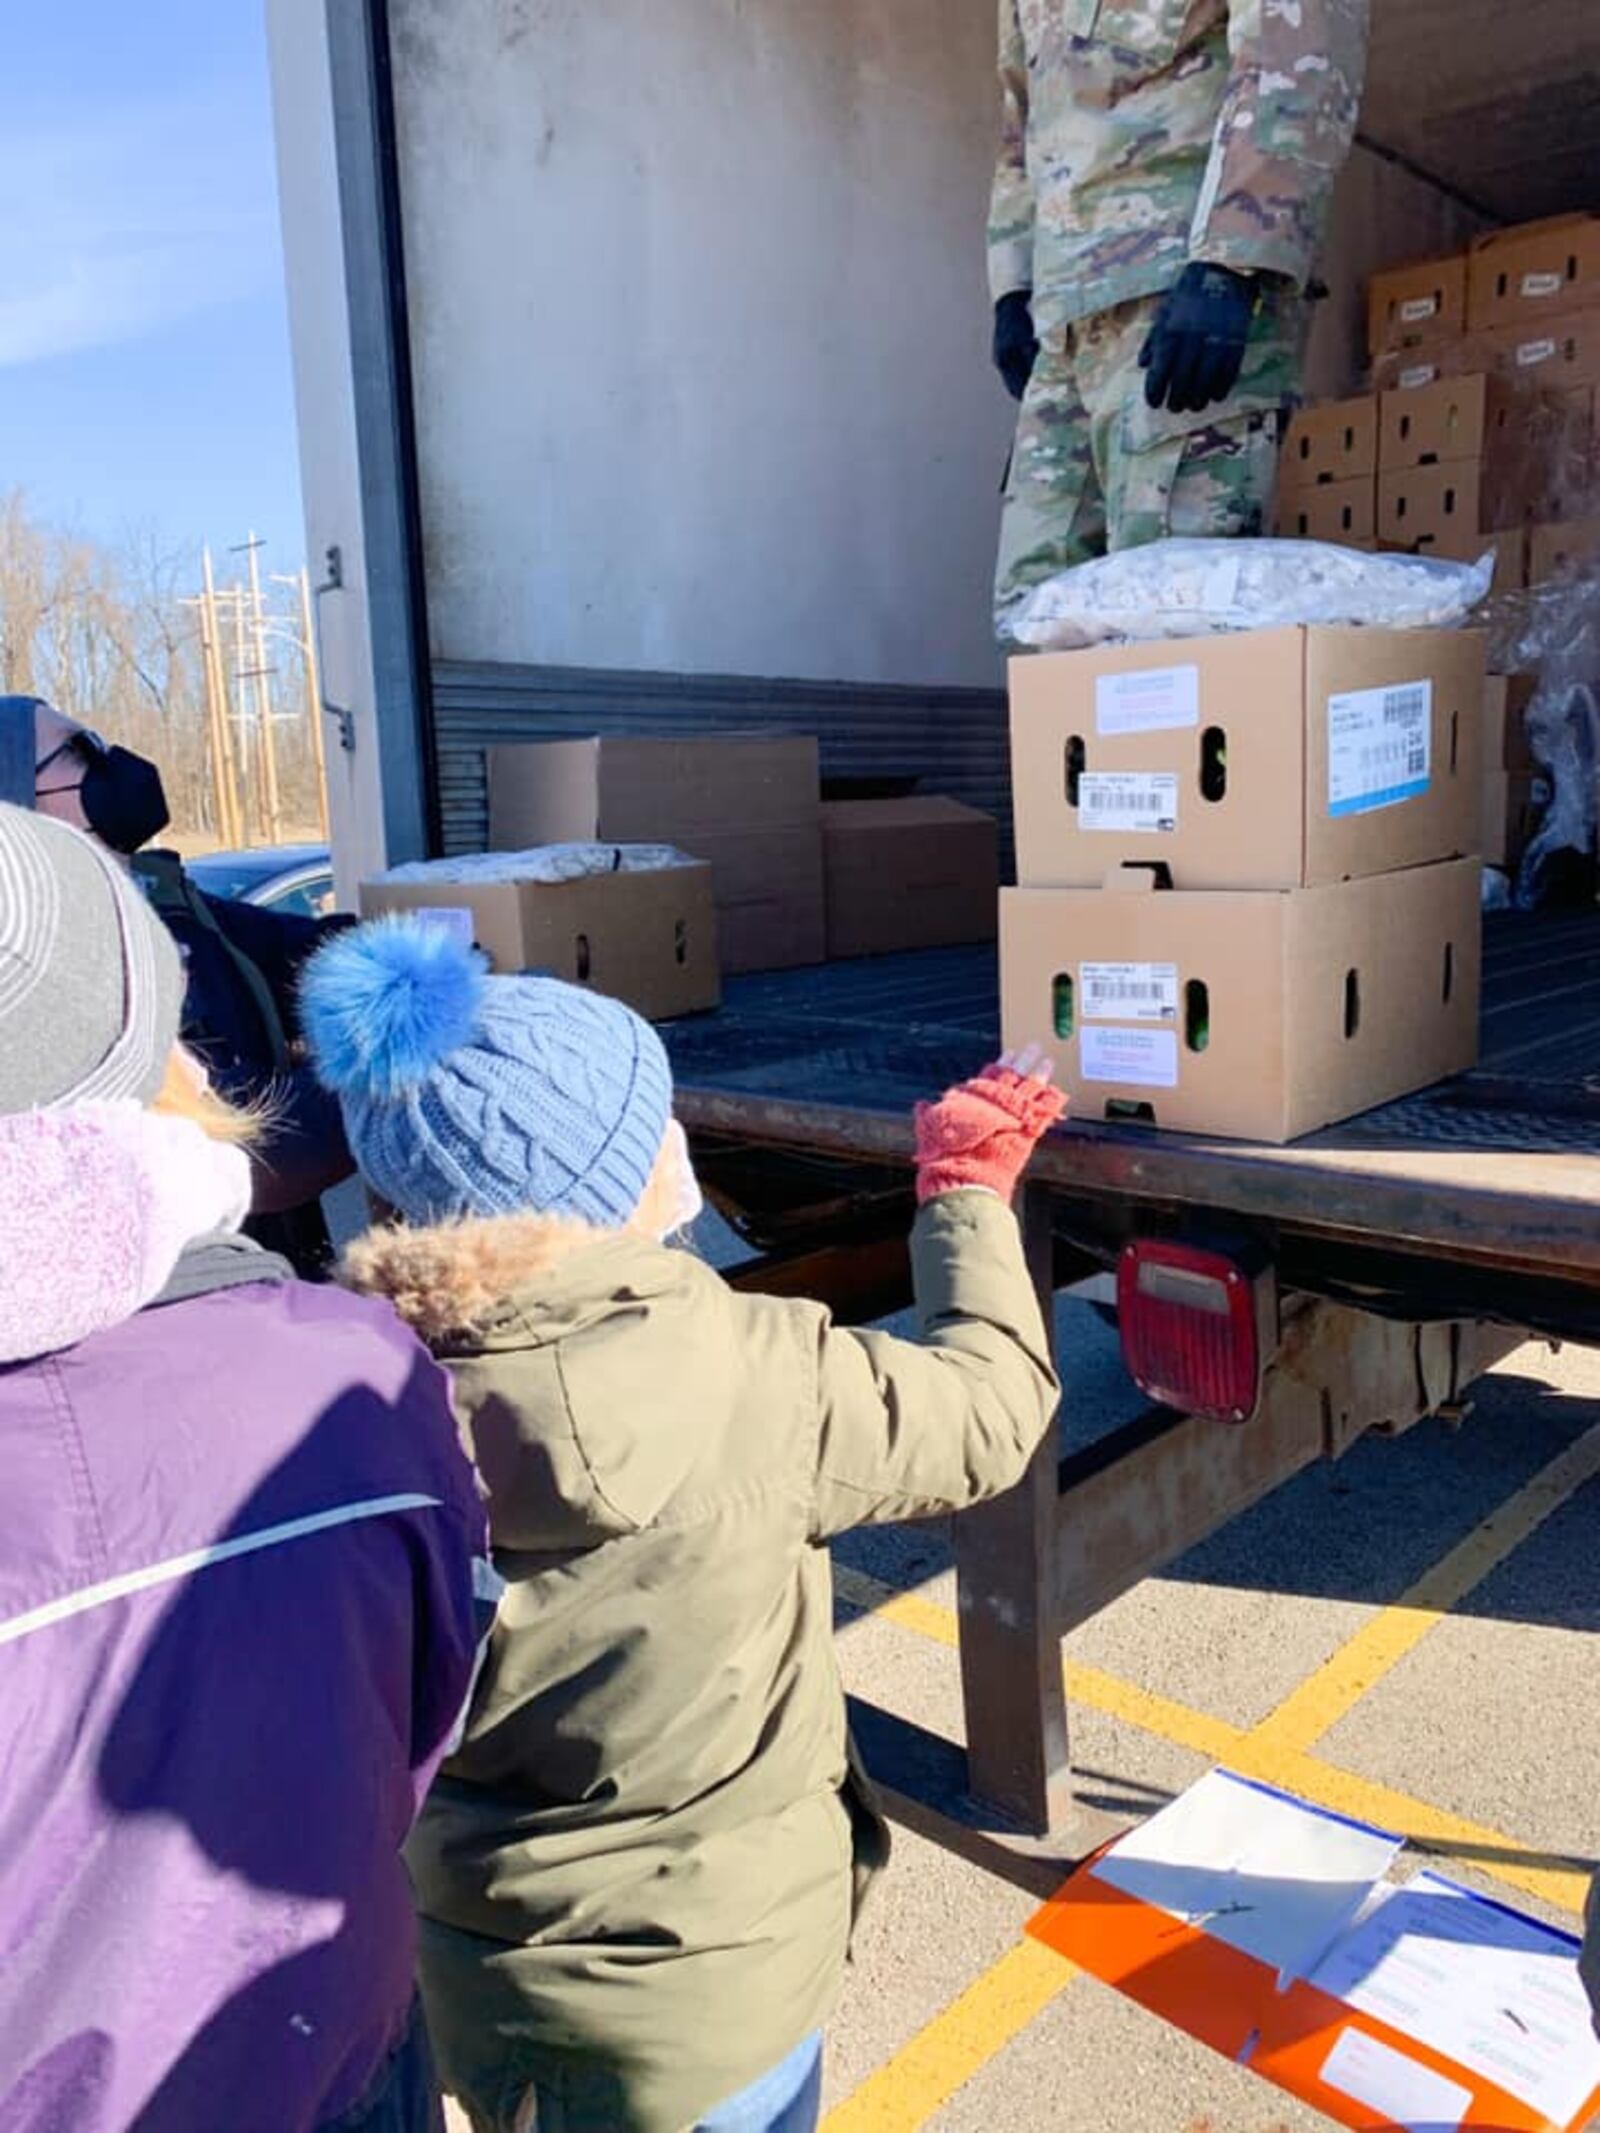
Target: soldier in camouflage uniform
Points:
(1162, 190)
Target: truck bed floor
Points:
(1502, 1164)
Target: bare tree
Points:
(111, 636)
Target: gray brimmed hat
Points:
(91, 983)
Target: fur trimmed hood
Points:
(453, 1281)
(582, 1360)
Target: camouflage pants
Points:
(1094, 469)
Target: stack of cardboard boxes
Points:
(780, 877)
(1246, 906)
(1480, 433)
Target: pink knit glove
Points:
(983, 1132)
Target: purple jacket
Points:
(237, 1627)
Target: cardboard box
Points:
(1513, 807)
(648, 938)
(1556, 551)
(909, 873)
(1556, 355)
(1257, 1017)
(1505, 729)
(748, 803)
(1518, 276)
(1423, 302)
(1345, 512)
(1450, 419)
(1337, 441)
(1270, 759)
(1432, 510)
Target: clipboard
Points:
(1345, 2062)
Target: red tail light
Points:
(1198, 1326)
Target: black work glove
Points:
(1196, 347)
(1015, 348)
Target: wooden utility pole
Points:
(268, 740)
(219, 727)
(313, 681)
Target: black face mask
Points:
(123, 799)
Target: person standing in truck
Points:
(1162, 190)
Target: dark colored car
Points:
(284, 877)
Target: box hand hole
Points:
(1455, 742)
(1213, 764)
(580, 959)
(1352, 1003)
(680, 941)
(1197, 1014)
(1449, 984)
(1063, 1005)
(1076, 759)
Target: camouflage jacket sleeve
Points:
(1011, 207)
(1296, 69)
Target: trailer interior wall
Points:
(699, 327)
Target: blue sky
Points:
(144, 360)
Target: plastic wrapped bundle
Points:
(1184, 588)
(546, 862)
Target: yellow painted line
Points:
(905, 2093)
(908, 2089)
(1262, 1755)
(1086, 1685)
(1334, 1690)
(907, 1610)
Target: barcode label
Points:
(1123, 800)
(454, 919)
(1380, 747)
(1534, 352)
(1417, 308)
(1418, 375)
(1539, 285)
(1153, 700)
(1129, 992)
(1130, 1058)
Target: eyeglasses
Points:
(84, 743)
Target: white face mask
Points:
(689, 1205)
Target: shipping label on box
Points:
(1560, 356)
(1114, 802)
(1425, 301)
(1129, 992)
(1379, 747)
(1297, 759)
(1251, 1015)
(1517, 276)
(1147, 700)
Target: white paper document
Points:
(1404, 2090)
(1267, 1874)
(1496, 1992)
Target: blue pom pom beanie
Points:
(465, 1094)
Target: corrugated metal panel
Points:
(954, 740)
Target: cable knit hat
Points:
(465, 1094)
(91, 987)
